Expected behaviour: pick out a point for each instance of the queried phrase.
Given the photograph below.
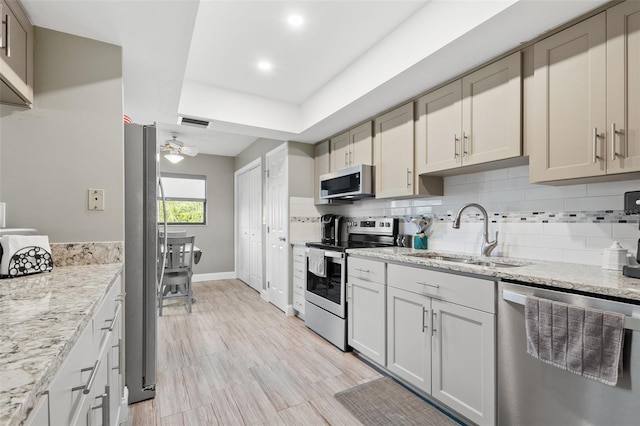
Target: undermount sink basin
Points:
(466, 260)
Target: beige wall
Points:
(70, 141)
(216, 237)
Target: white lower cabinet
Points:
(408, 337)
(441, 338)
(88, 388)
(366, 313)
(463, 360)
(299, 278)
(366, 308)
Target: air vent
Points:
(186, 121)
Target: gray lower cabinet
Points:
(408, 337)
(366, 303)
(88, 387)
(441, 338)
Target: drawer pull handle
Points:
(113, 320)
(363, 270)
(427, 284)
(87, 387)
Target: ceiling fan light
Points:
(174, 158)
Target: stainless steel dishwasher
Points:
(531, 392)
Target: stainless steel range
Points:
(325, 295)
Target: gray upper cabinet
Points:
(16, 55)
(623, 87)
(587, 98)
(393, 143)
(321, 167)
(570, 102)
(474, 120)
(352, 147)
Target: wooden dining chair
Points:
(178, 270)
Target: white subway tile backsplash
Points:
(584, 257)
(520, 171)
(572, 223)
(613, 188)
(625, 230)
(556, 241)
(578, 229)
(601, 244)
(537, 192)
(506, 196)
(511, 183)
(595, 203)
(554, 205)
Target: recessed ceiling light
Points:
(264, 66)
(295, 20)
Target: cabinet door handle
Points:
(455, 146)
(87, 387)
(104, 406)
(595, 145)
(433, 322)
(613, 141)
(623, 148)
(425, 312)
(350, 159)
(427, 284)
(7, 35)
(113, 320)
(465, 147)
(408, 177)
(346, 158)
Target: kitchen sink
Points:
(467, 260)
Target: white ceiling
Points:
(348, 62)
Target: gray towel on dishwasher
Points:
(584, 341)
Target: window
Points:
(185, 199)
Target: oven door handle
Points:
(334, 254)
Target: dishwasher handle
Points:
(630, 323)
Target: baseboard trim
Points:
(214, 276)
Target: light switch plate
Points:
(96, 200)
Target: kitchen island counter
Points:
(41, 318)
(585, 278)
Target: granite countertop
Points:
(590, 279)
(41, 317)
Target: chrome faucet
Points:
(487, 246)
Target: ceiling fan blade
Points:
(190, 150)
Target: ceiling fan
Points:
(175, 150)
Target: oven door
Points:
(328, 292)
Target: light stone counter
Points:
(590, 279)
(41, 318)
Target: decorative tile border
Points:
(607, 216)
(300, 219)
(90, 253)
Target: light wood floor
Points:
(239, 360)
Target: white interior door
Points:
(243, 227)
(277, 229)
(255, 228)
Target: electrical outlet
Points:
(96, 200)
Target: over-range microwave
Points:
(350, 183)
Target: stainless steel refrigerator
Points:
(141, 265)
